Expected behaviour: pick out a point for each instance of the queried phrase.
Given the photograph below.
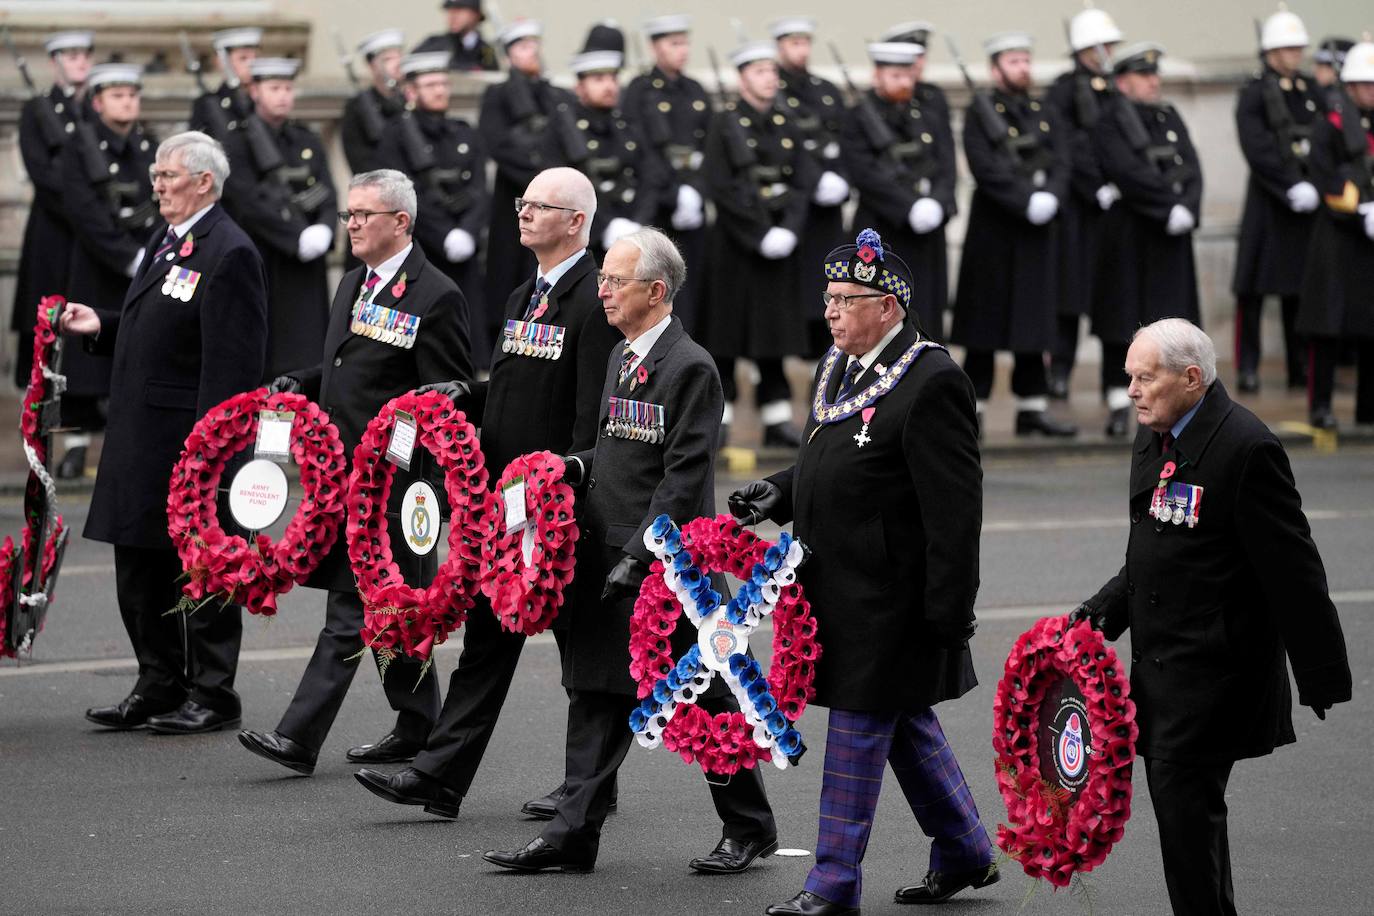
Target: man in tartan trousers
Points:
(887, 492)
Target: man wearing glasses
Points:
(537, 398)
(887, 491)
(397, 322)
(191, 333)
(632, 475)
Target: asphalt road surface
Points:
(96, 822)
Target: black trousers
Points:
(324, 684)
(1249, 310)
(1325, 355)
(1190, 805)
(477, 690)
(1065, 351)
(1027, 375)
(180, 656)
(772, 381)
(598, 739)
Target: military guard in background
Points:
(47, 124)
(219, 112)
(1145, 269)
(673, 112)
(1327, 61)
(1274, 118)
(367, 116)
(281, 193)
(605, 146)
(817, 108)
(1340, 265)
(448, 162)
(108, 197)
(1008, 275)
(899, 148)
(515, 120)
(1079, 96)
(467, 49)
(761, 180)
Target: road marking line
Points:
(87, 666)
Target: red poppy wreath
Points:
(228, 568)
(1064, 731)
(398, 618)
(526, 593)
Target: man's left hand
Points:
(624, 578)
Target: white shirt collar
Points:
(388, 269)
(871, 357)
(645, 342)
(556, 274)
(182, 228)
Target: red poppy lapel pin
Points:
(398, 289)
(188, 246)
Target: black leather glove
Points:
(455, 391)
(755, 501)
(285, 384)
(574, 472)
(624, 578)
(1083, 612)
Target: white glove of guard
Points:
(1180, 220)
(830, 190)
(314, 242)
(777, 243)
(1303, 197)
(925, 215)
(689, 213)
(617, 229)
(1042, 207)
(459, 245)
(1107, 195)
(133, 267)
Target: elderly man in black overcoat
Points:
(1221, 584)
(179, 349)
(629, 481)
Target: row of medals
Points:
(529, 348)
(637, 432)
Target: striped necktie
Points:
(538, 302)
(627, 359)
(169, 242)
(851, 375)
(1166, 442)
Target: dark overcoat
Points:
(630, 483)
(1009, 274)
(893, 526)
(629, 179)
(173, 361)
(1079, 97)
(481, 56)
(358, 375)
(362, 151)
(1273, 239)
(1143, 273)
(233, 101)
(1214, 609)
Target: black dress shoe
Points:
(808, 904)
(1248, 382)
(1118, 423)
(782, 435)
(133, 711)
(937, 887)
(73, 464)
(537, 855)
(1033, 422)
(280, 749)
(390, 749)
(1323, 418)
(544, 808)
(411, 787)
(731, 856)
(192, 719)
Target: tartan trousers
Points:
(858, 745)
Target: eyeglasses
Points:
(521, 203)
(615, 283)
(845, 303)
(346, 216)
(155, 175)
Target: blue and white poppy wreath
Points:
(679, 583)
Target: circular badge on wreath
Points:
(1064, 731)
(679, 584)
(527, 557)
(229, 568)
(399, 618)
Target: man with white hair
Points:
(1216, 592)
(192, 332)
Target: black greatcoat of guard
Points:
(361, 149)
